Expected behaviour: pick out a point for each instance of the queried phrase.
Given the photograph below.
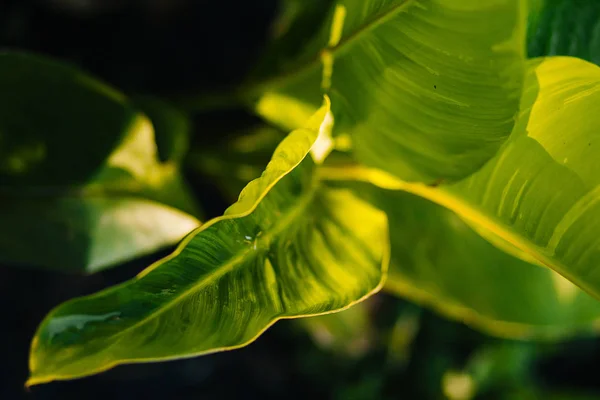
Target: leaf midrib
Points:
(365, 28)
(282, 224)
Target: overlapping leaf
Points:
(428, 89)
(439, 261)
(540, 195)
(81, 184)
(287, 248)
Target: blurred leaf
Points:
(293, 27)
(440, 262)
(82, 186)
(492, 371)
(540, 194)
(564, 27)
(348, 333)
(288, 248)
(401, 337)
(428, 90)
(236, 159)
(533, 393)
(57, 124)
(171, 127)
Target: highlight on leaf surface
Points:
(83, 169)
(541, 193)
(289, 247)
(428, 89)
(438, 261)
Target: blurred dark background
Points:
(180, 47)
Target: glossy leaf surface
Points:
(287, 248)
(439, 261)
(111, 199)
(427, 89)
(540, 195)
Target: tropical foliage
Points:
(439, 150)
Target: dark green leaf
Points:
(57, 124)
(564, 28)
(91, 192)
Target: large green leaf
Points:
(288, 248)
(91, 192)
(428, 89)
(564, 27)
(540, 195)
(439, 261)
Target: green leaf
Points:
(288, 248)
(564, 27)
(440, 262)
(96, 192)
(540, 195)
(57, 124)
(428, 90)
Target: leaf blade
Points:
(241, 282)
(407, 111)
(439, 261)
(514, 197)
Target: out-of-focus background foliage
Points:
(384, 349)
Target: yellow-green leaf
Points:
(439, 261)
(540, 195)
(288, 248)
(428, 89)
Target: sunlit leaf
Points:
(94, 193)
(565, 28)
(541, 193)
(440, 262)
(288, 248)
(428, 89)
